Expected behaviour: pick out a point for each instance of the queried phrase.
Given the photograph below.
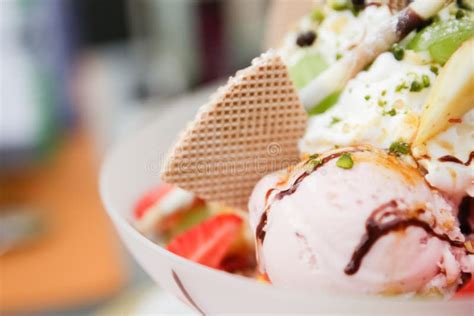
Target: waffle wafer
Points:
(249, 128)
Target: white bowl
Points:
(132, 168)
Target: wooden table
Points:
(77, 260)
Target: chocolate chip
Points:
(358, 4)
(306, 38)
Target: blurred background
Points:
(75, 76)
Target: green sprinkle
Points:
(392, 112)
(345, 161)
(317, 15)
(426, 81)
(338, 56)
(335, 120)
(382, 102)
(401, 86)
(415, 86)
(434, 70)
(314, 163)
(397, 51)
(313, 160)
(399, 148)
(384, 92)
(367, 97)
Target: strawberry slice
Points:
(150, 198)
(466, 290)
(209, 242)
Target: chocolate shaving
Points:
(306, 39)
(407, 22)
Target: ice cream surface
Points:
(357, 220)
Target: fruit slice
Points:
(451, 95)
(209, 242)
(190, 218)
(150, 198)
(442, 39)
(306, 69)
(325, 104)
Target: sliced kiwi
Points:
(306, 69)
(325, 104)
(441, 39)
(188, 220)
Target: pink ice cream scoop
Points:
(357, 220)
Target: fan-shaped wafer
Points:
(249, 128)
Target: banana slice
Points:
(451, 96)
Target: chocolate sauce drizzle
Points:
(376, 229)
(280, 195)
(183, 290)
(260, 230)
(466, 210)
(449, 158)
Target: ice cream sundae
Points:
(350, 150)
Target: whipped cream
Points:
(338, 33)
(379, 106)
(447, 159)
(376, 107)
